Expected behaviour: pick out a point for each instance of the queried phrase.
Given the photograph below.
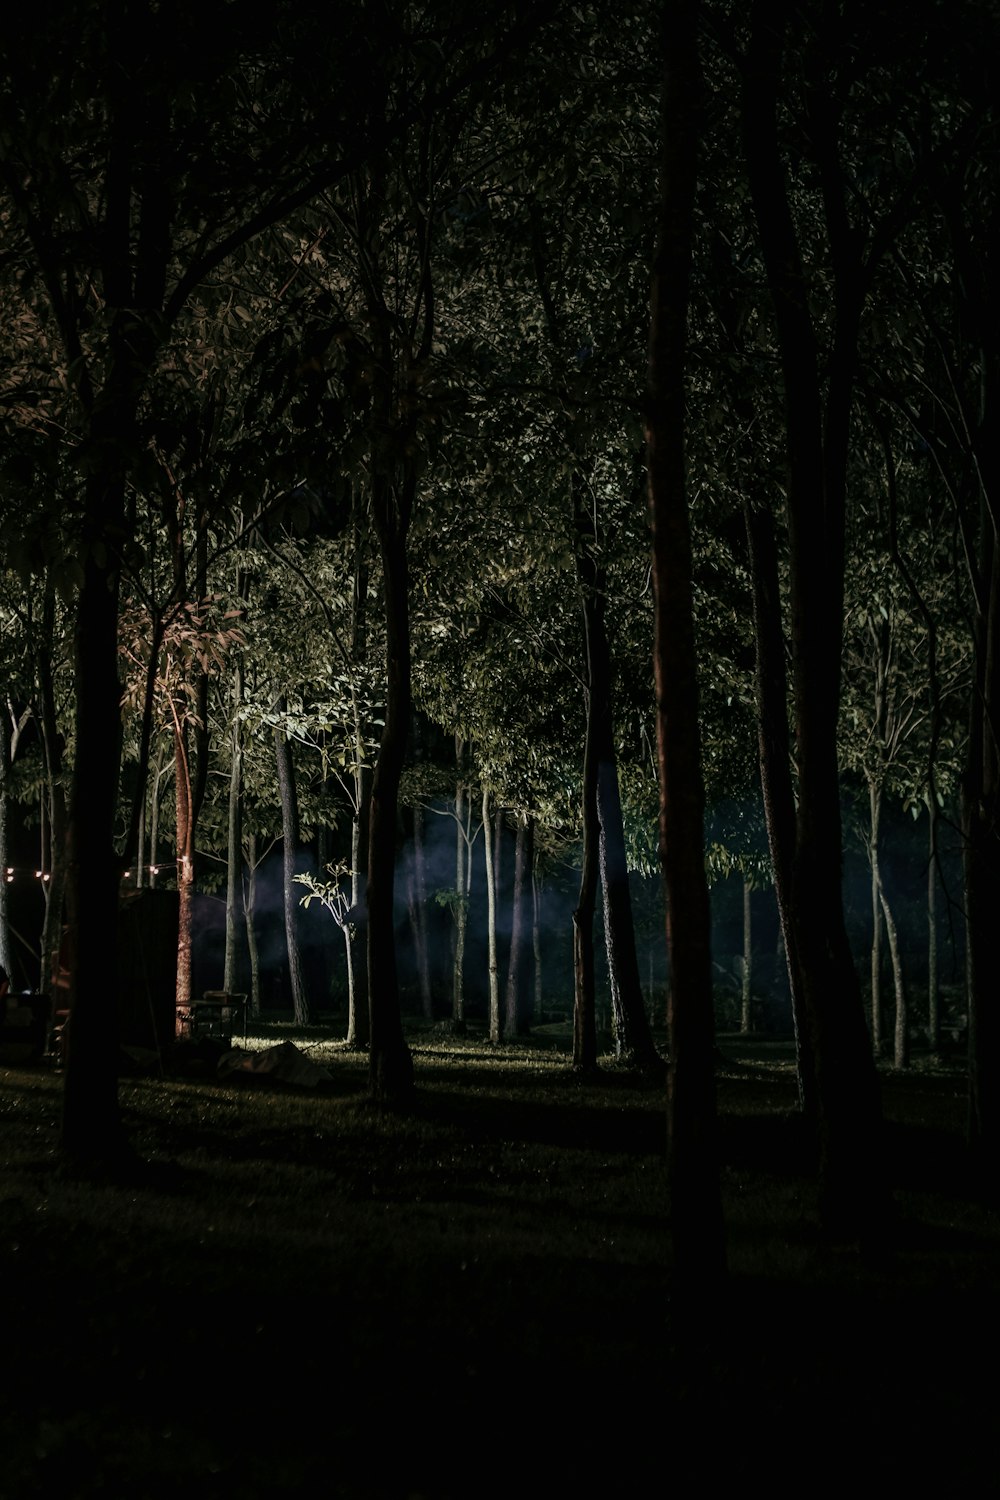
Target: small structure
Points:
(217, 1015)
(24, 1027)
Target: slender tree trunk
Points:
(746, 986)
(463, 873)
(249, 905)
(289, 860)
(355, 931)
(981, 843)
(154, 828)
(6, 961)
(584, 981)
(775, 770)
(933, 979)
(234, 846)
(491, 916)
(852, 1189)
(875, 818)
(55, 800)
(184, 824)
(901, 1035)
(391, 1070)
(537, 894)
(141, 871)
(417, 903)
(500, 889)
(517, 998)
(132, 835)
(632, 1037)
(692, 1163)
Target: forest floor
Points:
(299, 1295)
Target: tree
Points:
(289, 856)
(817, 427)
(695, 1205)
(117, 147)
(136, 165)
(517, 1000)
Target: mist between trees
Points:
(340, 541)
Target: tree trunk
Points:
(852, 1188)
(692, 1163)
(52, 928)
(875, 817)
(500, 892)
(632, 1037)
(933, 979)
(463, 878)
(518, 998)
(234, 846)
(417, 904)
(130, 848)
(249, 905)
(491, 917)
(981, 844)
(901, 1036)
(358, 1017)
(289, 860)
(775, 769)
(584, 982)
(6, 961)
(746, 984)
(536, 943)
(185, 877)
(355, 931)
(391, 1064)
(92, 1127)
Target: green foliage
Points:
(334, 895)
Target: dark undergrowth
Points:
(299, 1295)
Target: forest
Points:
(500, 517)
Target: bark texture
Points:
(391, 1064)
(693, 1169)
(848, 1113)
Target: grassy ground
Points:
(304, 1297)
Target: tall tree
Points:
(517, 1000)
(289, 858)
(135, 164)
(817, 427)
(693, 1168)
